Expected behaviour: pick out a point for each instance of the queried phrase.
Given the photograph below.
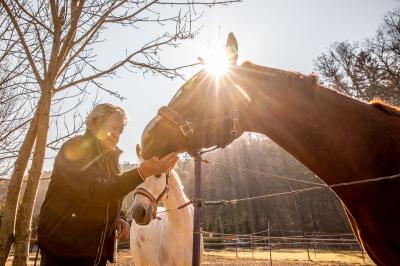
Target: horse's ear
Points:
(231, 49)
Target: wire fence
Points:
(274, 240)
(317, 241)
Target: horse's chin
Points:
(143, 222)
(150, 152)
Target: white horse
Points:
(165, 238)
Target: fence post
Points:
(265, 242)
(362, 253)
(197, 211)
(251, 246)
(237, 239)
(270, 247)
(315, 253)
(308, 251)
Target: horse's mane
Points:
(387, 108)
(312, 80)
(309, 80)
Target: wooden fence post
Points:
(315, 244)
(270, 247)
(362, 253)
(237, 239)
(251, 246)
(197, 212)
(308, 251)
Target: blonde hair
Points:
(101, 112)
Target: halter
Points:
(187, 128)
(154, 201)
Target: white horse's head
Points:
(152, 192)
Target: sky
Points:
(285, 34)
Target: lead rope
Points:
(177, 208)
(365, 181)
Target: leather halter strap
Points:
(188, 128)
(154, 201)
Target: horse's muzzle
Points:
(141, 215)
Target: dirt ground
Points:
(279, 258)
(245, 257)
(286, 257)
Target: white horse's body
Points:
(167, 241)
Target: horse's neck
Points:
(328, 132)
(176, 198)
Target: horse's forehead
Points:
(152, 183)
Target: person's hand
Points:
(123, 230)
(156, 167)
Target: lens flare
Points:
(217, 64)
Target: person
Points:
(81, 215)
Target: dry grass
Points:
(279, 258)
(285, 257)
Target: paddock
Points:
(281, 256)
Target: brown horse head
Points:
(205, 112)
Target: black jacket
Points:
(83, 200)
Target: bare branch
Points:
(210, 3)
(23, 42)
(21, 7)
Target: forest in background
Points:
(309, 211)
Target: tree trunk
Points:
(7, 236)
(25, 211)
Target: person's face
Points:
(110, 130)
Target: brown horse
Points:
(340, 139)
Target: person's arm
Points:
(75, 169)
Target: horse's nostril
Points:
(143, 213)
(138, 214)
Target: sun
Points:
(217, 64)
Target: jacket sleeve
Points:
(77, 170)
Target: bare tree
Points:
(13, 113)
(58, 39)
(366, 70)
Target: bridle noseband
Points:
(188, 128)
(184, 126)
(154, 201)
